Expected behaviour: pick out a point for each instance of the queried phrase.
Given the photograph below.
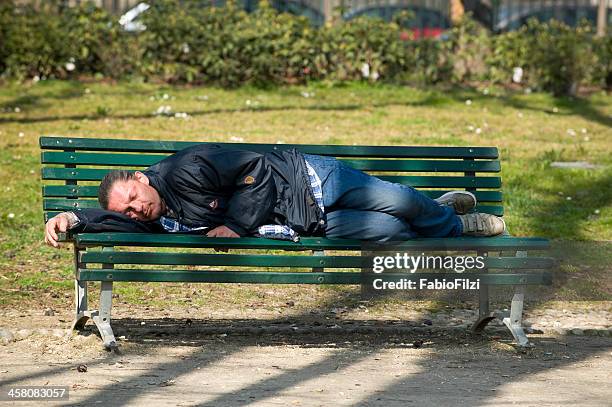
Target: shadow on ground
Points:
(582, 107)
(455, 368)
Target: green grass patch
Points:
(532, 131)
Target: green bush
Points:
(554, 56)
(187, 43)
(96, 41)
(468, 51)
(35, 42)
(509, 50)
(363, 48)
(431, 61)
(559, 56)
(6, 12)
(226, 45)
(231, 47)
(51, 41)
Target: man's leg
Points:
(347, 188)
(367, 225)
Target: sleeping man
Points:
(222, 192)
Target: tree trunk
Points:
(602, 17)
(456, 10)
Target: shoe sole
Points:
(505, 230)
(458, 211)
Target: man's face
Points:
(136, 199)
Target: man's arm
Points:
(254, 196)
(94, 220)
(214, 170)
(222, 231)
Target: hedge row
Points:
(227, 46)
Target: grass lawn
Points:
(531, 130)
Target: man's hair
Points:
(107, 184)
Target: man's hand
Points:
(59, 223)
(222, 231)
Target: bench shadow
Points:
(453, 381)
(353, 341)
(70, 90)
(579, 106)
(93, 117)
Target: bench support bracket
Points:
(101, 317)
(80, 299)
(484, 315)
(80, 296)
(515, 321)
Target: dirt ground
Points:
(249, 358)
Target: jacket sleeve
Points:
(242, 176)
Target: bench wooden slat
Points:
(91, 191)
(146, 146)
(144, 160)
(431, 181)
(114, 159)
(70, 191)
(194, 276)
(258, 260)
(423, 165)
(52, 204)
(88, 174)
(271, 277)
(306, 243)
(247, 260)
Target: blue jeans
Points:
(360, 206)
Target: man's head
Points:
(130, 193)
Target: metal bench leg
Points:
(102, 318)
(82, 314)
(484, 315)
(80, 301)
(514, 322)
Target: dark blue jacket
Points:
(211, 185)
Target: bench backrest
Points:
(80, 163)
(74, 166)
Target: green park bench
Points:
(72, 168)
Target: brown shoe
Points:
(461, 201)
